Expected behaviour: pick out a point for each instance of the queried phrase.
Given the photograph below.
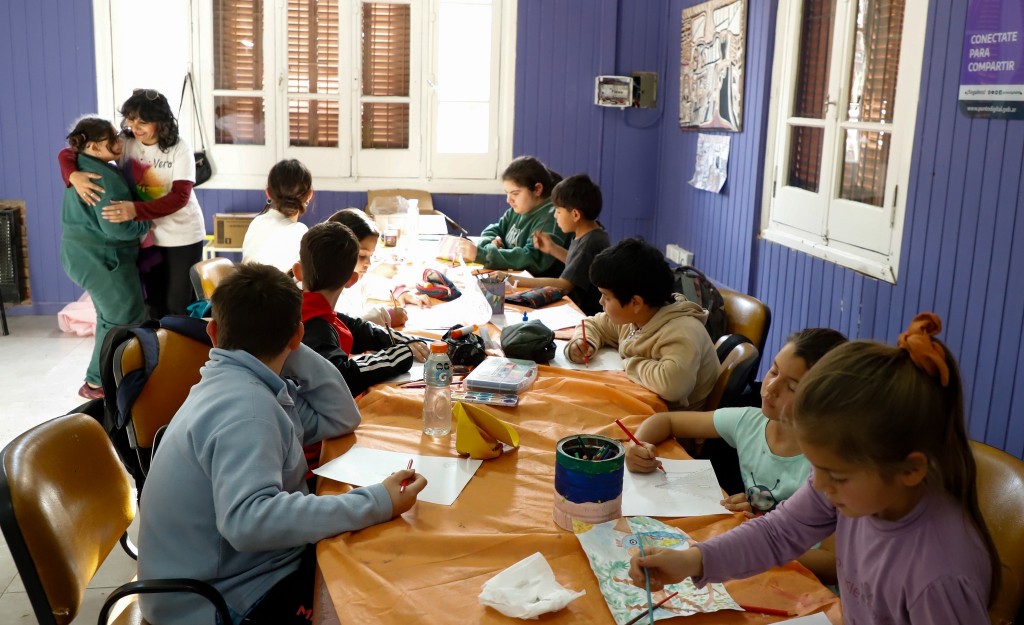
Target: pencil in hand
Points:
(405, 482)
(634, 439)
(586, 346)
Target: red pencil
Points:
(637, 618)
(406, 480)
(634, 439)
(770, 611)
(586, 346)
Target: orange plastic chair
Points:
(1001, 499)
(65, 502)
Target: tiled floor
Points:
(41, 370)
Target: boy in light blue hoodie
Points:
(226, 500)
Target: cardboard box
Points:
(229, 228)
(385, 200)
(387, 213)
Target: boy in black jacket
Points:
(363, 352)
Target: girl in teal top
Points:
(771, 462)
(509, 244)
(99, 255)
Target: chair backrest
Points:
(748, 316)
(1001, 498)
(65, 501)
(207, 274)
(176, 372)
(734, 372)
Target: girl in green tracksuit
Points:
(99, 255)
(509, 244)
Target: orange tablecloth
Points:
(429, 565)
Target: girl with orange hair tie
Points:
(893, 477)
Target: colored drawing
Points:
(609, 547)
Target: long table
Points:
(429, 565)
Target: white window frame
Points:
(864, 238)
(347, 167)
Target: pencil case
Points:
(536, 298)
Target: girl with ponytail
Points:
(273, 236)
(893, 477)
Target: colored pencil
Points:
(770, 611)
(634, 439)
(637, 618)
(586, 346)
(647, 580)
(405, 482)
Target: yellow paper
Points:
(479, 433)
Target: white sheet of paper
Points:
(438, 317)
(361, 466)
(606, 359)
(818, 618)
(556, 317)
(686, 488)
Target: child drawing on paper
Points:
(609, 545)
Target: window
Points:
(401, 91)
(844, 104)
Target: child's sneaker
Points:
(89, 392)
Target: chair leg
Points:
(3, 314)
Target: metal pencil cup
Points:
(494, 293)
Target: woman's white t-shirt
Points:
(273, 239)
(152, 172)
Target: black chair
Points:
(65, 501)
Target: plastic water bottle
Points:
(412, 223)
(437, 398)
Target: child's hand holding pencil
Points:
(580, 351)
(665, 566)
(403, 487)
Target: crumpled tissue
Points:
(527, 589)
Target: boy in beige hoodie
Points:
(660, 335)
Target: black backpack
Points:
(119, 397)
(696, 287)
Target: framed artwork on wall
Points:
(712, 65)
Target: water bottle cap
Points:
(439, 347)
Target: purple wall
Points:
(961, 242)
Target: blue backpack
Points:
(114, 410)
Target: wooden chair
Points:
(748, 316)
(65, 501)
(176, 372)
(1001, 498)
(733, 376)
(207, 274)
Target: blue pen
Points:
(647, 581)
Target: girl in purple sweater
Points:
(893, 477)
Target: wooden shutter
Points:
(386, 34)
(812, 83)
(238, 66)
(872, 88)
(313, 85)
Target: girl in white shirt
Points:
(273, 237)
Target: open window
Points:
(844, 104)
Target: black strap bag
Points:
(467, 350)
(204, 169)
